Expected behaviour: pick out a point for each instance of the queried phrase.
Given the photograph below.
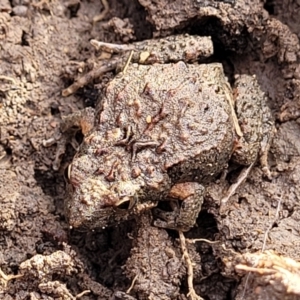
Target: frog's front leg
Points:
(255, 121)
(69, 126)
(183, 217)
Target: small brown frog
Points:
(161, 132)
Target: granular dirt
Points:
(44, 48)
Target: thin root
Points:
(6, 278)
(242, 267)
(82, 294)
(128, 62)
(190, 272)
(103, 14)
(12, 80)
(193, 241)
(132, 284)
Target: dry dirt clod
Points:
(59, 289)
(271, 275)
(153, 256)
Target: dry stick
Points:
(234, 186)
(95, 73)
(265, 241)
(190, 272)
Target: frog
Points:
(167, 125)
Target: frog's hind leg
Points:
(182, 217)
(255, 120)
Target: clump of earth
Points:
(248, 252)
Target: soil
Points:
(249, 252)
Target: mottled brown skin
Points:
(157, 126)
(160, 133)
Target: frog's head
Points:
(93, 201)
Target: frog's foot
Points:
(65, 134)
(255, 121)
(184, 217)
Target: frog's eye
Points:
(123, 203)
(126, 203)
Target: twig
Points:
(232, 189)
(95, 73)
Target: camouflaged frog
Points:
(165, 127)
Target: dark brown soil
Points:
(44, 48)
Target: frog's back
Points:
(175, 117)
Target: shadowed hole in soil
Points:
(73, 9)
(89, 95)
(8, 150)
(25, 39)
(54, 109)
(269, 6)
(136, 12)
(207, 226)
(48, 181)
(5, 154)
(222, 39)
(106, 251)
